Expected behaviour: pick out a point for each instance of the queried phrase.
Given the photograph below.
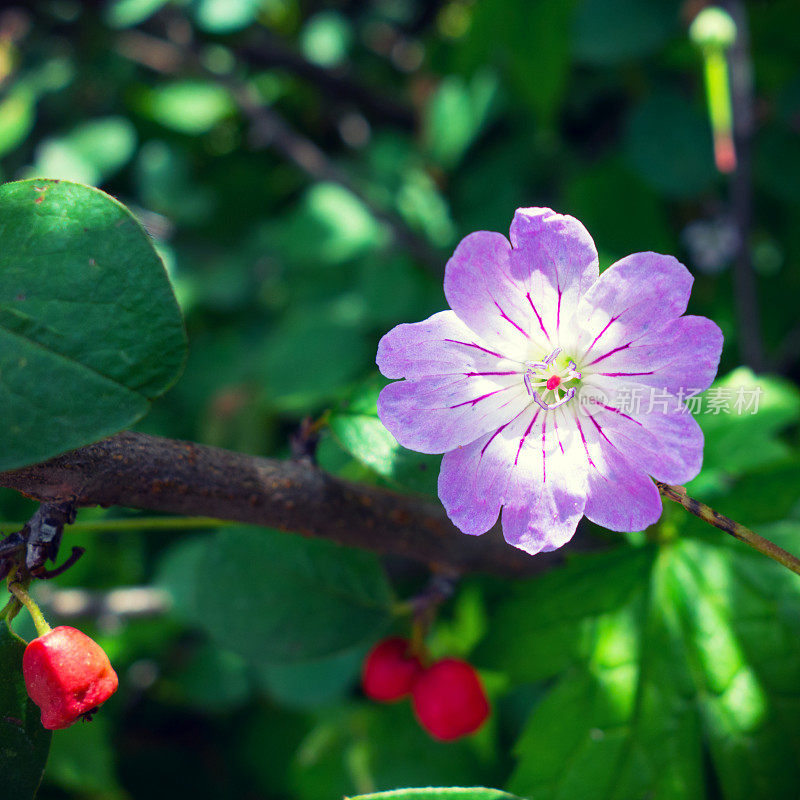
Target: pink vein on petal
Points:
(600, 430)
(544, 451)
(558, 435)
(558, 310)
(610, 353)
(624, 374)
(495, 434)
(508, 319)
(501, 429)
(482, 397)
(597, 338)
(478, 374)
(617, 411)
(472, 344)
(524, 436)
(541, 324)
(583, 439)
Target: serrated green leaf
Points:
(704, 658)
(274, 597)
(24, 743)
(741, 427)
(90, 331)
(563, 610)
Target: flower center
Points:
(547, 383)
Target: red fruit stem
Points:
(36, 614)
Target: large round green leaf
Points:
(277, 597)
(90, 331)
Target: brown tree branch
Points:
(157, 474)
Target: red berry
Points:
(449, 700)
(68, 675)
(390, 670)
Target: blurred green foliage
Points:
(304, 170)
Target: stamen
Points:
(546, 363)
(573, 370)
(550, 406)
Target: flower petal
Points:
(555, 260)
(638, 295)
(655, 431)
(620, 496)
(682, 357)
(438, 413)
(529, 467)
(481, 290)
(440, 345)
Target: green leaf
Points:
(457, 113)
(431, 793)
(191, 107)
(82, 759)
(704, 657)
(212, 680)
(16, 117)
(225, 16)
(310, 684)
(277, 597)
(635, 221)
(309, 359)
(90, 153)
(562, 610)
(742, 424)
(24, 743)
(90, 331)
(357, 427)
(326, 38)
(382, 746)
(668, 143)
(126, 13)
(530, 41)
(610, 31)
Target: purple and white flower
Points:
(517, 384)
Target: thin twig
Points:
(735, 529)
(265, 49)
(745, 286)
(270, 130)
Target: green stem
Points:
(735, 529)
(137, 524)
(719, 94)
(10, 609)
(36, 614)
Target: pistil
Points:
(544, 377)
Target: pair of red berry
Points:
(448, 698)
